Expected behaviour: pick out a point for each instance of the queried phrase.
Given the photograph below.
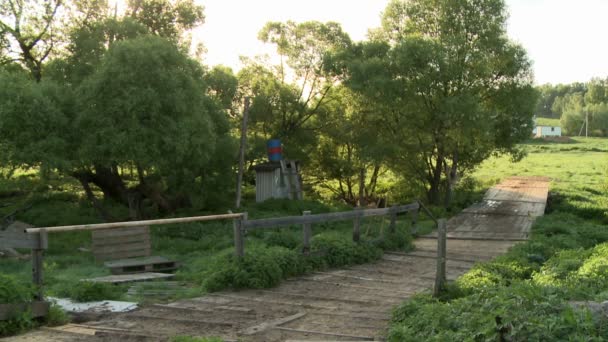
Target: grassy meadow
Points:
(525, 294)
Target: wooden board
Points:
(492, 207)
(138, 265)
(20, 239)
(524, 189)
(129, 278)
(120, 243)
(37, 309)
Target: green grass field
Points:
(523, 295)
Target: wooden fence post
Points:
(37, 263)
(440, 276)
(239, 236)
(306, 228)
(393, 213)
(415, 221)
(357, 225)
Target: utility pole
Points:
(239, 180)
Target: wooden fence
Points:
(38, 238)
(243, 224)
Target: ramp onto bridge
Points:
(506, 212)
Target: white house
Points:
(547, 131)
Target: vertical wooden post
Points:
(415, 221)
(37, 263)
(307, 231)
(357, 225)
(393, 225)
(440, 276)
(239, 180)
(239, 236)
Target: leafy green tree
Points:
(288, 99)
(349, 157)
(146, 106)
(571, 108)
(29, 30)
(31, 122)
(455, 89)
(171, 19)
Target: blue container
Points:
(275, 151)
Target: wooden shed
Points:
(278, 179)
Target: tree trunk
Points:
(105, 215)
(434, 192)
(362, 201)
(371, 189)
(451, 175)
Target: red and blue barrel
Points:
(275, 151)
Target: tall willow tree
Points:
(146, 106)
(454, 88)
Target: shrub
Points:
(13, 292)
(85, 291)
(520, 312)
(261, 267)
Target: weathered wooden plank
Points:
(122, 255)
(97, 242)
(321, 298)
(278, 302)
(387, 292)
(135, 223)
(314, 332)
(128, 278)
(120, 232)
(6, 242)
(492, 207)
(133, 246)
(182, 308)
(180, 319)
(234, 309)
(36, 308)
(272, 324)
(137, 262)
(319, 218)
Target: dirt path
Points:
(350, 304)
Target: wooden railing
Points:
(243, 224)
(37, 238)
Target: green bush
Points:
(261, 267)
(13, 292)
(85, 291)
(339, 250)
(520, 312)
(56, 316)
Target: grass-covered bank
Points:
(524, 295)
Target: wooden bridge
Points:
(349, 304)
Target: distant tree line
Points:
(121, 102)
(574, 103)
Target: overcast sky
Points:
(566, 39)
